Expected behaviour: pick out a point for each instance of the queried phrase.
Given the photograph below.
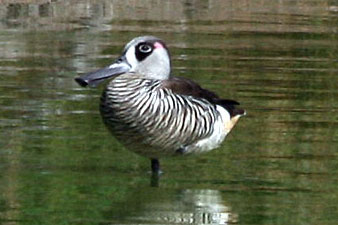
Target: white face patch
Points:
(114, 65)
(131, 58)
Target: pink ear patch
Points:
(158, 45)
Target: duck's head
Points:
(146, 56)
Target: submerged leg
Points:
(155, 166)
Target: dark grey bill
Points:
(94, 78)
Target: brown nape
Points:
(184, 86)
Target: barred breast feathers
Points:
(144, 110)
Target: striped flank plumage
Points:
(140, 111)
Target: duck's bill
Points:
(94, 78)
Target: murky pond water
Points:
(59, 165)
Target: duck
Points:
(154, 113)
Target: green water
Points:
(59, 165)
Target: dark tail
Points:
(230, 106)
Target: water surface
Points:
(59, 165)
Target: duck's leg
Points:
(155, 166)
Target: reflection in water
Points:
(191, 207)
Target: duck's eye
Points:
(145, 48)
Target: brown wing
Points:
(184, 86)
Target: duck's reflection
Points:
(190, 207)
